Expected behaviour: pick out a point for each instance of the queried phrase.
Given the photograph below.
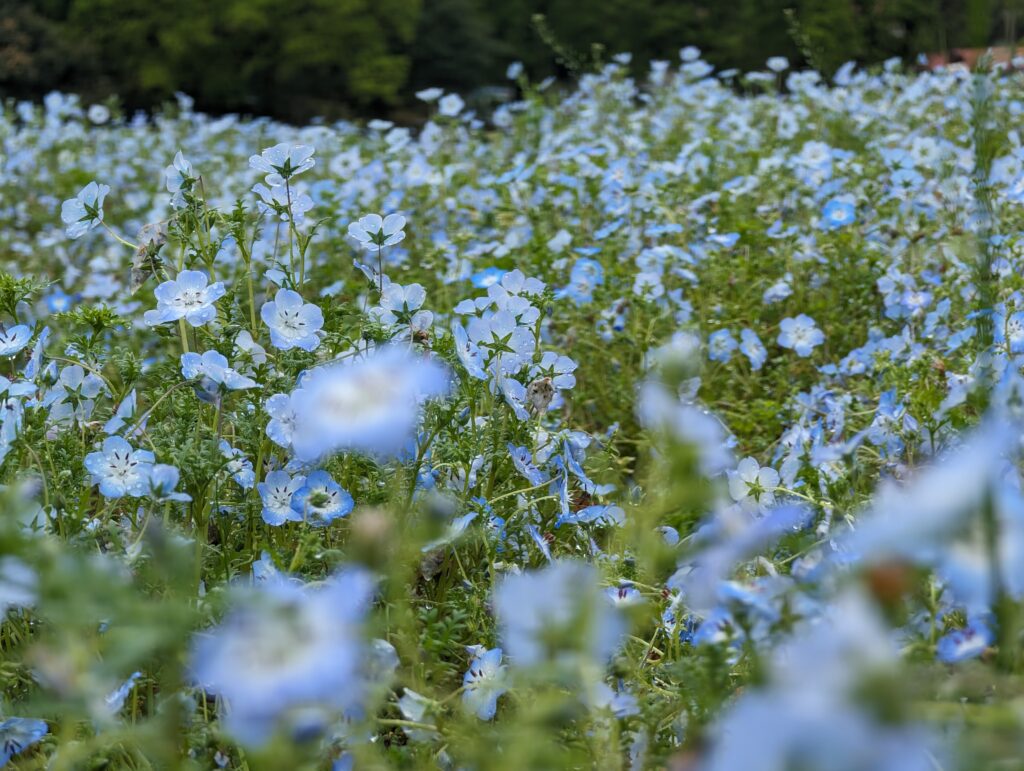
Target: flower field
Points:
(671, 423)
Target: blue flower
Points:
(292, 322)
(450, 105)
(14, 339)
(284, 650)
(752, 347)
(962, 644)
(721, 344)
(487, 277)
(179, 177)
(369, 405)
(374, 231)
(523, 462)
(401, 305)
(1009, 331)
(213, 371)
(596, 514)
(238, 465)
(17, 734)
(281, 426)
(163, 480)
(119, 469)
(277, 493)
(85, 211)
(484, 682)
(185, 297)
(282, 162)
(838, 213)
(801, 334)
(321, 500)
(556, 614)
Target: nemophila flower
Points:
(558, 368)
(320, 500)
(113, 702)
(1009, 331)
(753, 486)
(73, 396)
(966, 643)
(507, 344)
(374, 231)
(450, 105)
(586, 274)
(119, 469)
(778, 63)
(369, 405)
(214, 372)
(281, 426)
(179, 177)
(290, 205)
(721, 345)
(752, 347)
(17, 734)
(163, 481)
(470, 355)
(624, 595)
(401, 305)
(486, 277)
(838, 213)
(286, 654)
(597, 514)
(189, 296)
(283, 161)
(85, 211)
(429, 94)
(522, 459)
(293, 323)
(59, 301)
(14, 339)
(124, 412)
(18, 584)
(648, 285)
(277, 493)
(238, 465)
(556, 614)
(662, 411)
(800, 334)
(484, 682)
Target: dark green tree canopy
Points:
(302, 58)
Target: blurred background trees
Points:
(300, 58)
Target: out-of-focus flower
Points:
(368, 405)
(285, 654)
(555, 615)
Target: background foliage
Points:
(302, 58)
